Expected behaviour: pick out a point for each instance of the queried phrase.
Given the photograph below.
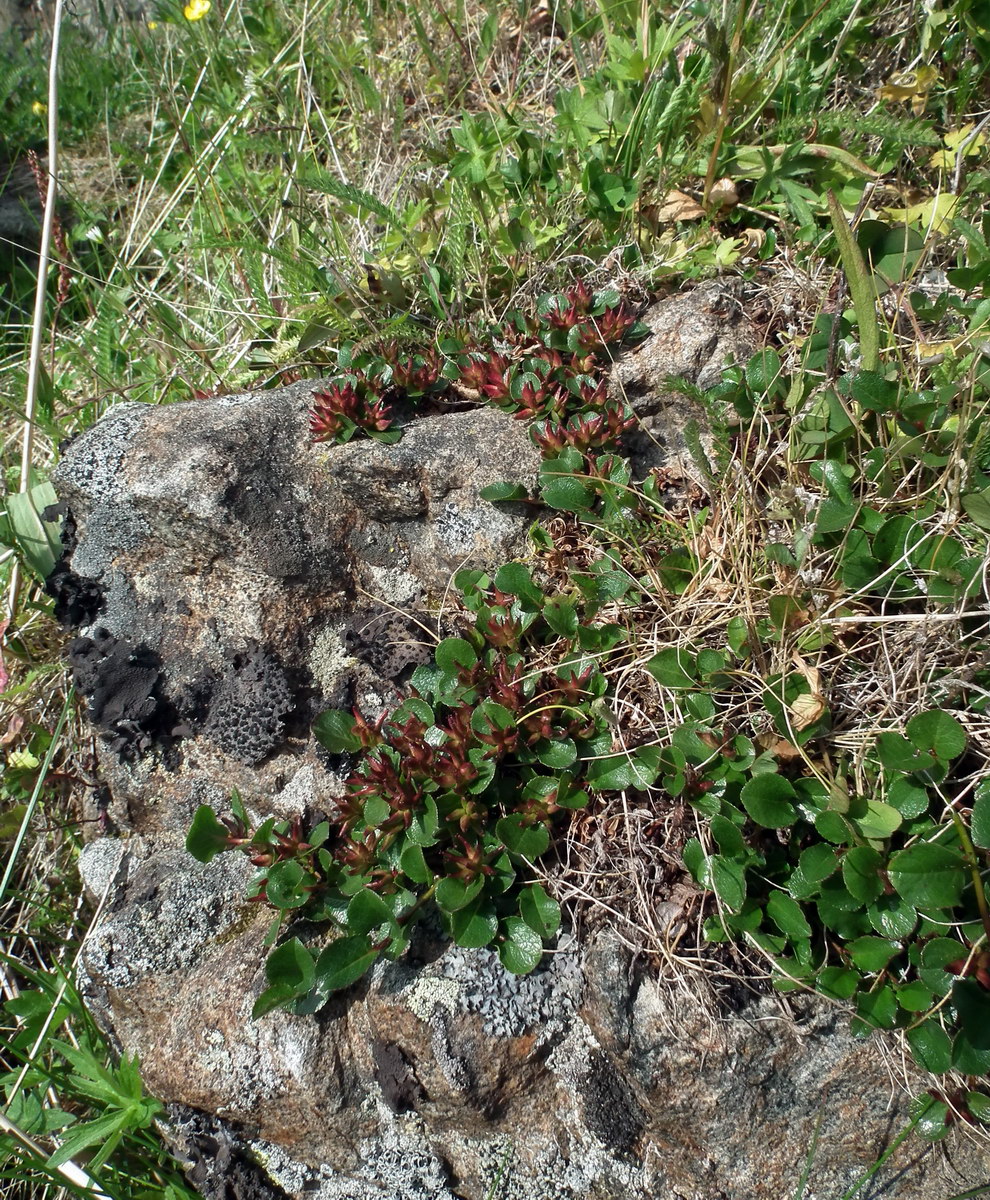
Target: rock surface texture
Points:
(228, 582)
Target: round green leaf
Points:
(522, 948)
(528, 841)
(454, 894)
(567, 493)
(818, 862)
(980, 826)
(366, 911)
(540, 911)
(674, 668)
(453, 654)
(914, 996)
(879, 821)
(285, 884)
(872, 953)
(892, 917)
(937, 732)
(769, 801)
(861, 873)
(931, 1047)
(875, 1010)
(928, 875)
(561, 616)
(936, 955)
(558, 755)
(837, 983)
(475, 925)
(907, 797)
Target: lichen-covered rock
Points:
(233, 581)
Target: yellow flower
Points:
(39, 109)
(152, 25)
(196, 10)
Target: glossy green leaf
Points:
(453, 894)
(861, 873)
(937, 732)
(769, 800)
(334, 730)
(674, 668)
(528, 841)
(475, 925)
(872, 953)
(540, 911)
(496, 492)
(366, 911)
(343, 962)
(521, 949)
(928, 875)
(787, 916)
(931, 1046)
(207, 837)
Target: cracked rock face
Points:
(234, 581)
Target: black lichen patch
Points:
(78, 600)
(247, 712)
(123, 684)
(396, 1076)
(611, 1111)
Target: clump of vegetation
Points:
(778, 654)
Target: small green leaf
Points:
(496, 492)
(928, 875)
(907, 797)
(515, 580)
(875, 1010)
(291, 965)
(931, 1047)
(818, 862)
(522, 948)
(527, 841)
(287, 885)
(540, 911)
(674, 668)
(567, 493)
(936, 955)
(787, 916)
(561, 616)
(376, 810)
(861, 873)
(343, 962)
(769, 800)
(727, 878)
(366, 911)
(207, 837)
(558, 755)
(475, 925)
(892, 917)
(453, 894)
(980, 825)
(453, 654)
(837, 983)
(938, 733)
(334, 730)
(872, 953)
(414, 865)
(879, 821)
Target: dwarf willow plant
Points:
(859, 878)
